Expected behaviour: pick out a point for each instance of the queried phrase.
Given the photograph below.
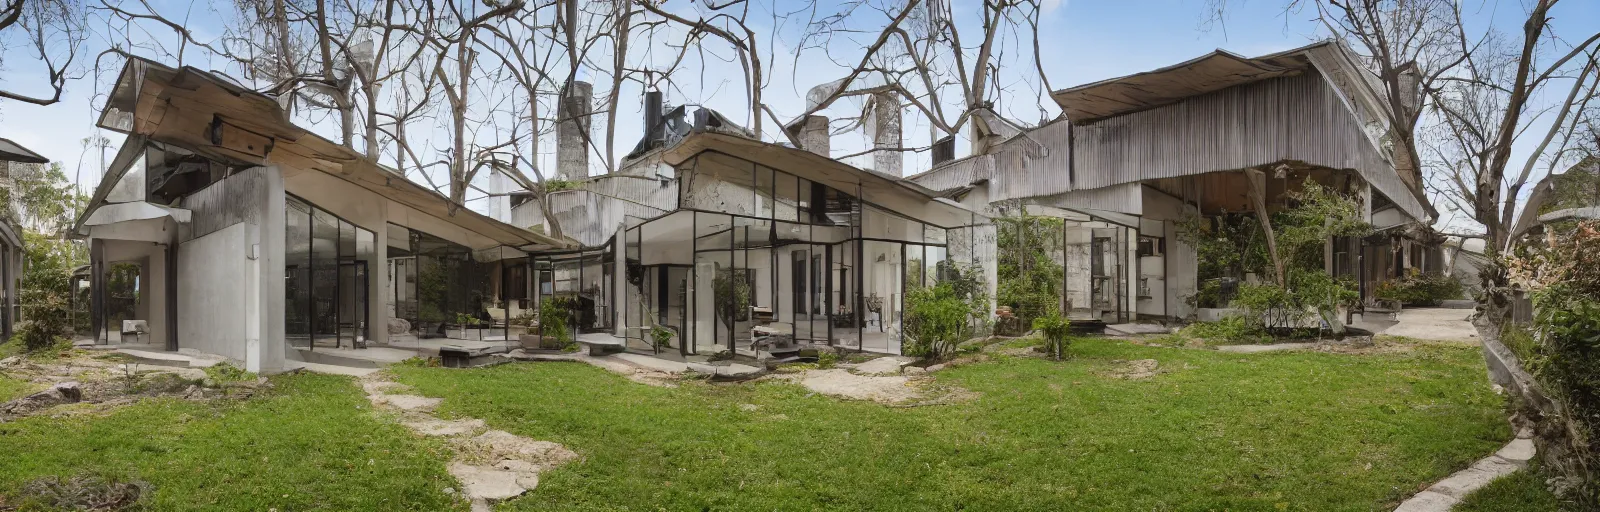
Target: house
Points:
(13, 159)
(1133, 156)
(260, 241)
(741, 247)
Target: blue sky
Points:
(1083, 41)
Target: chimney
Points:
(572, 128)
(499, 198)
(886, 132)
(944, 150)
(812, 131)
(652, 116)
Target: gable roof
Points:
(13, 152)
(192, 109)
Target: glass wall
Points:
(772, 255)
(325, 277)
(437, 284)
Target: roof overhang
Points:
(1212, 72)
(13, 152)
(215, 117)
(877, 188)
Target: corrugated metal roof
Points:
(1214, 71)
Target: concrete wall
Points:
(212, 295)
(230, 281)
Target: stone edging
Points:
(1445, 494)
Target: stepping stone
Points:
(437, 427)
(505, 445)
(882, 365)
(485, 483)
(382, 387)
(407, 402)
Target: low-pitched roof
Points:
(876, 187)
(192, 109)
(13, 152)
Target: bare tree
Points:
(53, 32)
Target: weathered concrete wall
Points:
(212, 293)
(230, 281)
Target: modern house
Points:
(14, 159)
(743, 247)
(260, 241)
(1133, 156)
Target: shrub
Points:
(1421, 289)
(554, 312)
(1055, 329)
(827, 359)
(45, 293)
(936, 321)
(661, 336)
(1564, 352)
(1030, 279)
(1229, 330)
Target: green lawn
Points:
(309, 444)
(1523, 491)
(11, 389)
(1288, 431)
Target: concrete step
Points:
(168, 359)
(324, 358)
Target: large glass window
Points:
(325, 277)
(438, 283)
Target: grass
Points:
(1521, 491)
(310, 443)
(1283, 431)
(11, 389)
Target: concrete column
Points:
(153, 292)
(886, 133)
(378, 291)
(572, 126)
(266, 246)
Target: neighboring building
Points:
(12, 255)
(1134, 155)
(263, 242)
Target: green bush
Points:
(1421, 289)
(827, 359)
(937, 321)
(554, 313)
(1029, 277)
(1055, 329)
(45, 294)
(1232, 330)
(661, 336)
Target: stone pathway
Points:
(492, 465)
(1445, 494)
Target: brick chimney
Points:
(572, 123)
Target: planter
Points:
(470, 333)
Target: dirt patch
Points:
(104, 383)
(1134, 370)
(884, 389)
(77, 493)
